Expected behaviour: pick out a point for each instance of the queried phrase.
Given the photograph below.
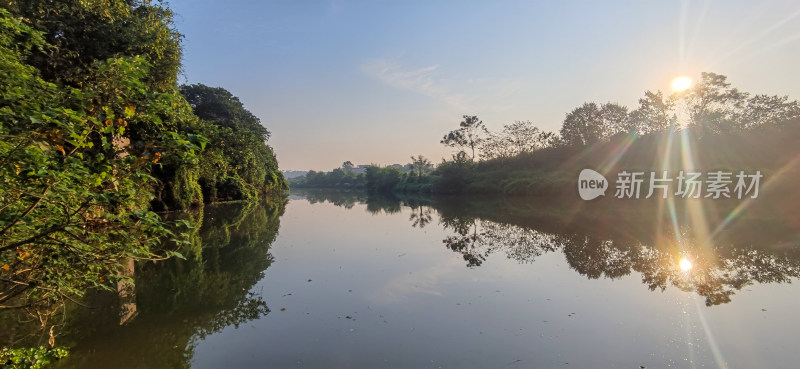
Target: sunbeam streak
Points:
(712, 342)
(759, 37)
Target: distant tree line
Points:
(710, 107)
(710, 125)
(374, 178)
(718, 125)
(342, 177)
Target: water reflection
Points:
(345, 199)
(468, 282)
(421, 216)
(179, 302)
(599, 240)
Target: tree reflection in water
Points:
(343, 198)
(420, 216)
(179, 302)
(601, 241)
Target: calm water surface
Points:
(333, 280)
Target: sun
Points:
(685, 264)
(681, 83)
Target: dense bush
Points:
(337, 178)
(93, 131)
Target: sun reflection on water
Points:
(685, 264)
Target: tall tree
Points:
(469, 135)
(654, 114)
(516, 138)
(614, 119)
(591, 123)
(582, 126)
(420, 165)
(765, 110)
(714, 106)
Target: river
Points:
(344, 280)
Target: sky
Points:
(379, 81)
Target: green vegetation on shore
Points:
(95, 134)
(711, 126)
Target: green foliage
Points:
(415, 184)
(30, 358)
(177, 301)
(517, 138)
(713, 104)
(338, 197)
(714, 107)
(382, 179)
(82, 32)
(237, 163)
(469, 135)
(73, 194)
(552, 171)
(348, 166)
(420, 166)
(591, 123)
(453, 175)
(93, 134)
(654, 114)
(725, 128)
(340, 178)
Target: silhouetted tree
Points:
(469, 135)
(517, 138)
(420, 165)
(591, 123)
(713, 106)
(764, 110)
(654, 114)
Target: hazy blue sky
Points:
(378, 81)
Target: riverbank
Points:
(770, 152)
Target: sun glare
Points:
(685, 264)
(681, 83)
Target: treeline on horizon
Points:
(711, 126)
(95, 135)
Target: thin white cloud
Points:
(421, 81)
(426, 281)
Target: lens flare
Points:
(681, 83)
(685, 264)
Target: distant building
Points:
(404, 168)
(360, 169)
